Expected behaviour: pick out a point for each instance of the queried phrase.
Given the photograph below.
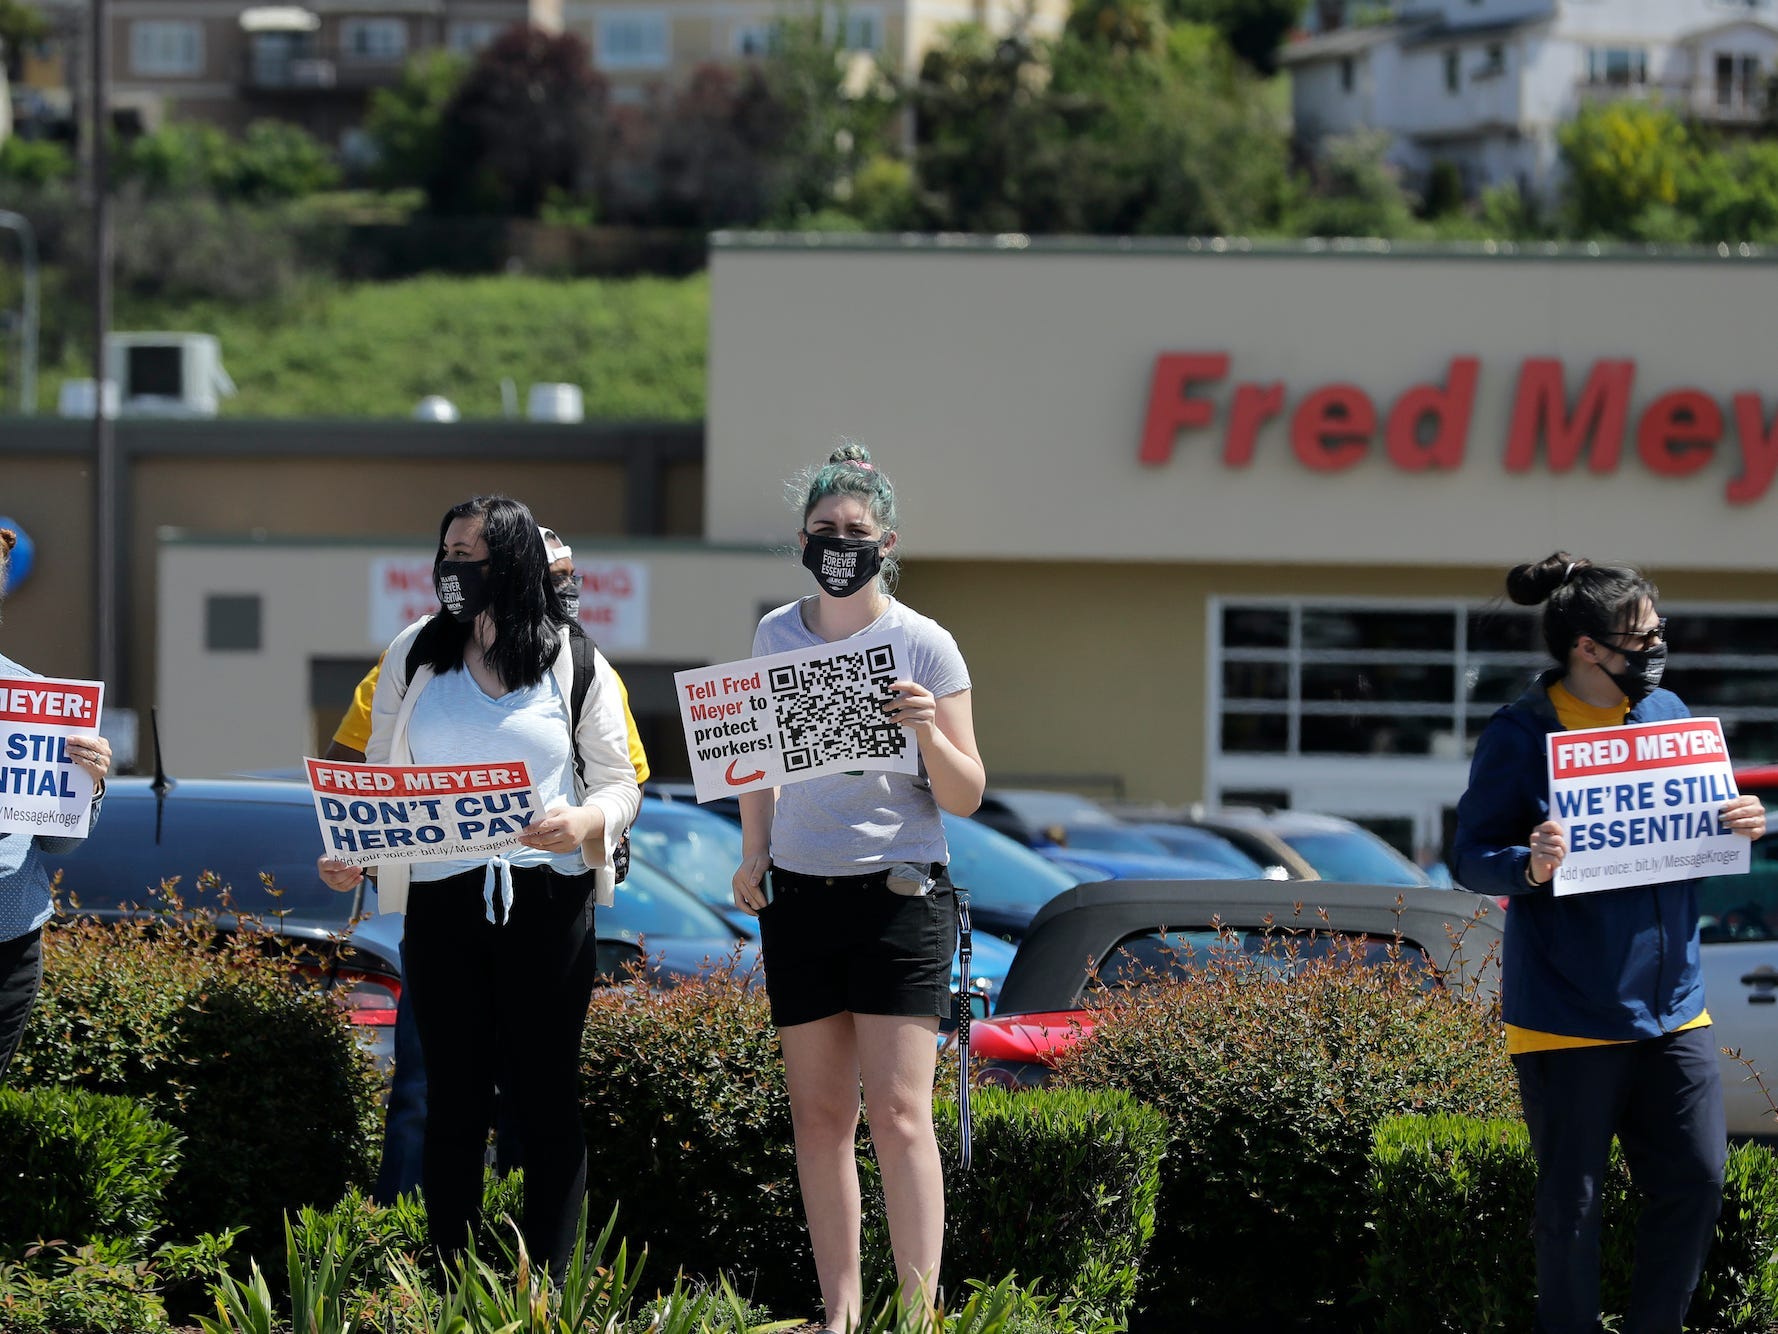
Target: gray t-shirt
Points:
(849, 825)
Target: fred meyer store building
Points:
(1208, 524)
(1235, 525)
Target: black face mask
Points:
(1642, 672)
(842, 565)
(568, 590)
(463, 588)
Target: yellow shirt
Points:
(1575, 714)
(354, 728)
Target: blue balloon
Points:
(24, 555)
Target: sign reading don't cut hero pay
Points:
(404, 813)
(42, 790)
(1639, 805)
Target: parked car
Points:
(1738, 931)
(1306, 846)
(1039, 818)
(207, 834)
(1135, 933)
(1759, 780)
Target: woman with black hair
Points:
(1602, 993)
(500, 951)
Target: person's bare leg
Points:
(821, 1070)
(897, 1057)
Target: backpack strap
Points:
(583, 649)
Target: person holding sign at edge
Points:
(1602, 993)
(501, 956)
(857, 917)
(25, 899)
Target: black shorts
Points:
(833, 944)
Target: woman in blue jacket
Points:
(1602, 993)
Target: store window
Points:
(166, 48)
(1305, 678)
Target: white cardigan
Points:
(602, 743)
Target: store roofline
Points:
(1018, 243)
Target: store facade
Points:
(1225, 524)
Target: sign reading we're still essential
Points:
(42, 790)
(1639, 804)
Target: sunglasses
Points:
(1637, 641)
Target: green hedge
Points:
(1062, 1192)
(1452, 1201)
(1272, 1080)
(261, 1076)
(81, 1167)
(689, 1135)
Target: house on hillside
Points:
(1484, 84)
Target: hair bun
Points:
(8, 539)
(1529, 585)
(851, 452)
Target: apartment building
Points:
(1484, 84)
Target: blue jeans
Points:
(404, 1130)
(1662, 1098)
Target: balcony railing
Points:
(315, 70)
(1737, 103)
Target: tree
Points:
(710, 163)
(406, 122)
(1354, 191)
(20, 25)
(1253, 29)
(1623, 159)
(524, 126)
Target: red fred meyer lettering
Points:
(1336, 426)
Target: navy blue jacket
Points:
(1618, 964)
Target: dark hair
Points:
(1579, 598)
(528, 616)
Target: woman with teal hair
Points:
(857, 916)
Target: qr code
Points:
(830, 710)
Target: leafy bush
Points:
(1439, 1183)
(34, 163)
(1272, 1079)
(262, 1077)
(273, 160)
(1093, 1203)
(81, 1167)
(95, 1289)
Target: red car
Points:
(1760, 781)
(1136, 932)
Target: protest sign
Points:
(42, 790)
(613, 599)
(1639, 803)
(407, 813)
(787, 717)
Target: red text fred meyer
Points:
(1334, 426)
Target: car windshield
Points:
(1113, 838)
(1202, 845)
(1043, 809)
(1000, 872)
(649, 906)
(1157, 957)
(697, 849)
(126, 857)
(1742, 907)
(1354, 856)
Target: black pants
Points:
(1662, 1098)
(21, 973)
(503, 1002)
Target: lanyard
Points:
(963, 1017)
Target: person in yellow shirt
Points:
(404, 1126)
(1602, 993)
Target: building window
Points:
(1347, 74)
(1617, 67)
(468, 38)
(632, 41)
(756, 39)
(166, 48)
(231, 622)
(1453, 74)
(864, 31)
(1297, 678)
(1738, 83)
(1494, 62)
(380, 40)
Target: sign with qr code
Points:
(788, 717)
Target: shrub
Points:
(81, 1166)
(1093, 1202)
(1438, 1183)
(1272, 1080)
(34, 164)
(262, 1077)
